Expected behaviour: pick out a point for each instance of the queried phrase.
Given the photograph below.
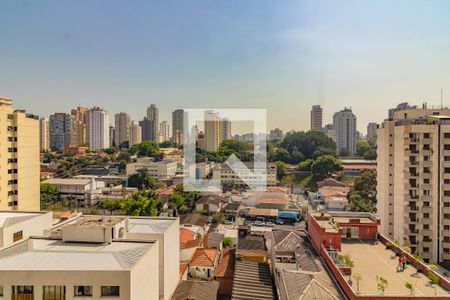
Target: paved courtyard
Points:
(371, 260)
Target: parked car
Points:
(279, 222)
(258, 223)
(270, 224)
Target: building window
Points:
(446, 239)
(426, 147)
(426, 192)
(446, 216)
(446, 250)
(17, 236)
(446, 158)
(446, 193)
(82, 290)
(426, 249)
(1, 290)
(447, 135)
(446, 147)
(426, 170)
(426, 226)
(12, 171)
(12, 160)
(12, 149)
(446, 227)
(426, 181)
(426, 215)
(110, 290)
(54, 292)
(426, 135)
(22, 289)
(446, 181)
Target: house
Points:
(209, 203)
(191, 238)
(158, 169)
(194, 219)
(251, 248)
(214, 240)
(252, 280)
(224, 272)
(85, 191)
(203, 263)
(198, 290)
(275, 203)
(232, 209)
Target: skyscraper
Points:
(122, 128)
(371, 132)
(225, 129)
(148, 129)
(212, 131)
(316, 117)
(79, 126)
(153, 116)
(413, 181)
(177, 126)
(135, 134)
(344, 123)
(60, 131)
(97, 122)
(19, 166)
(164, 129)
(44, 135)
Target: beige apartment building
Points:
(44, 135)
(413, 175)
(316, 117)
(212, 131)
(19, 159)
(79, 126)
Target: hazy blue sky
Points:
(281, 55)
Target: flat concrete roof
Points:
(13, 217)
(372, 259)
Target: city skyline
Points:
(304, 53)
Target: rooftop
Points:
(225, 268)
(372, 259)
(198, 290)
(39, 254)
(273, 201)
(268, 212)
(68, 181)
(330, 221)
(194, 219)
(150, 225)
(251, 242)
(252, 281)
(8, 218)
(204, 257)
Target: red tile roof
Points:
(225, 268)
(186, 236)
(204, 257)
(183, 267)
(166, 191)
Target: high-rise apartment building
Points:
(328, 129)
(344, 123)
(372, 132)
(148, 130)
(79, 126)
(177, 126)
(225, 129)
(19, 159)
(276, 134)
(44, 135)
(61, 131)
(153, 116)
(413, 181)
(122, 128)
(97, 122)
(164, 129)
(316, 117)
(135, 134)
(212, 131)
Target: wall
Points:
(29, 227)
(144, 281)
(201, 272)
(319, 236)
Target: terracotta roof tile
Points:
(225, 268)
(204, 257)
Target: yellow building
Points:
(19, 159)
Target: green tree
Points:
(344, 152)
(305, 165)
(168, 144)
(49, 195)
(146, 148)
(281, 170)
(410, 286)
(434, 281)
(366, 185)
(227, 242)
(235, 146)
(325, 151)
(282, 154)
(362, 147)
(358, 277)
(143, 203)
(142, 180)
(110, 205)
(325, 166)
(357, 203)
(382, 284)
(307, 142)
(218, 218)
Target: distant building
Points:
(400, 107)
(158, 169)
(316, 117)
(135, 134)
(229, 177)
(276, 134)
(79, 126)
(344, 123)
(164, 129)
(225, 129)
(330, 132)
(122, 128)
(153, 117)
(112, 136)
(212, 131)
(177, 126)
(86, 191)
(372, 132)
(148, 129)
(97, 122)
(44, 134)
(60, 131)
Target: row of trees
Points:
(363, 196)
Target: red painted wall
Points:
(319, 237)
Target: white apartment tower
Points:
(44, 135)
(135, 134)
(316, 117)
(413, 181)
(122, 128)
(212, 131)
(225, 129)
(164, 129)
(344, 124)
(97, 123)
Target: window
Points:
(447, 147)
(426, 215)
(447, 135)
(446, 239)
(446, 193)
(446, 158)
(12, 149)
(446, 204)
(446, 216)
(12, 171)
(111, 290)
(426, 170)
(446, 227)
(446, 181)
(82, 290)
(17, 236)
(53, 292)
(426, 181)
(446, 250)
(426, 249)
(12, 160)
(426, 135)
(12, 139)
(426, 147)
(426, 192)
(1, 290)
(12, 181)
(426, 226)
(22, 289)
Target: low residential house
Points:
(231, 209)
(203, 263)
(224, 272)
(198, 290)
(252, 280)
(191, 238)
(251, 199)
(214, 240)
(210, 203)
(269, 214)
(165, 193)
(194, 219)
(250, 247)
(86, 191)
(117, 192)
(275, 203)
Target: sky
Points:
(284, 56)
